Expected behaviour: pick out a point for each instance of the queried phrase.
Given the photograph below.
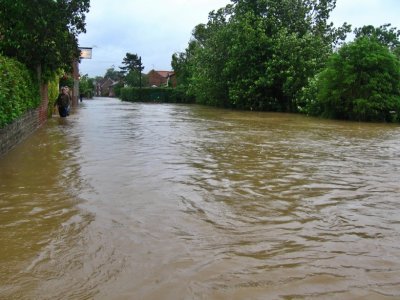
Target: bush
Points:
(18, 93)
(117, 89)
(86, 86)
(161, 95)
(53, 92)
(361, 82)
(306, 101)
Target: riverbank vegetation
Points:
(270, 55)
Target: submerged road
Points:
(164, 201)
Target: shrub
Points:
(163, 95)
(53, 92)
(361, 82)
(18, 93)
(306, 101)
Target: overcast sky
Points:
(155, 29)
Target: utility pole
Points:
(140, 71)
(140, 77)
(75, 88)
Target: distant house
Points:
(105, 87)
(161, 78)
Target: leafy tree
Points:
(132, 62)
(245, 67)
(133, 78)
(113, 74)
(86, 85)
(208, 81)
(361, 82)
(294, 40)
(259, 54)
(42, 34)
(132, 69)
(386, 35)
(182, 64)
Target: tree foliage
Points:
(113, 74)
(384, 34)
(132, 62)
(86, 86)
(132, 69)
(17, 92)
(361, 82)
(42, 34)
(258, 54)
(149, 94)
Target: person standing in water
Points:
(63, 102)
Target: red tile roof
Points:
(164, 74)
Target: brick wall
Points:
(24, 126)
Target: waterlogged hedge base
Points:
(161, 95)
(18, 93)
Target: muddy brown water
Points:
(162, 201)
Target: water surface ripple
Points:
(163, 201)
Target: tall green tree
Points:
(42, 34)
(384, 34)
(208, 82)
(182, 64)
(259, 54)
(132, 69)
(113, 74)
(278, 46)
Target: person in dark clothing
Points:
(63, 102)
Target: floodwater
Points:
(157, 201)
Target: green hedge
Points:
(160, 95)
(52, 93)
(18, 93)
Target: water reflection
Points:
(142, 201)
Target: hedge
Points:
(52, 93)
(159, 95)
(18, 93)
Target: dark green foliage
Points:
(182, 65)
(67, 80)
(113, 74)
(163, 95)
(386, 35)
(131, 62)
(53, 90)
(258, 54)
(132, 70)
(18, 93)
(118, 88)
(42, 34)
(361, 82)
(86, 86)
